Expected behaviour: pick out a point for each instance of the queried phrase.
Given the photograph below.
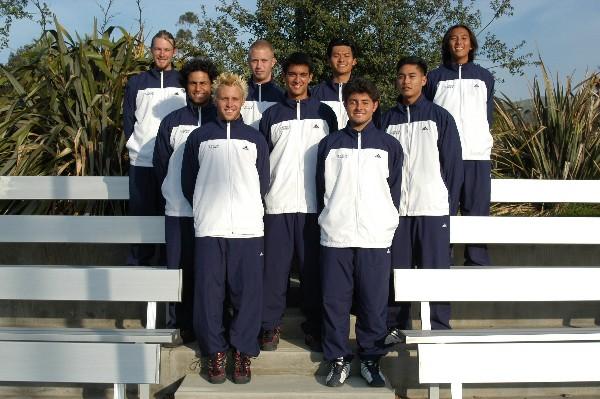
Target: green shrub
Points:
(558, 138)
(61, 113)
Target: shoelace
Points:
(218, 362)
(338, 365)
(242, 362)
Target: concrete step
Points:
(278, 387)
(291, 357)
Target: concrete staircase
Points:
(292, 371)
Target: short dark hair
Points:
(203, 64)
(297, 58)
(360, 85)
(447, 55)
(412, 60)
(340, 41)
(164, 34)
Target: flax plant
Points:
(559, 138)
(61, 112)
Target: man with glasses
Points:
(293, 129)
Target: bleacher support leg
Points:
(144, 391)
(456, 390)
(434, 391)
(119, 391)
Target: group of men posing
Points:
(252, 178)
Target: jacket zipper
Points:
(299, 139)
(229, 175)
(357, 182)
(340, 104)
(259, 92)
(409, 149)
(199, 116)
(460, 96)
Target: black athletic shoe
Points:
(339, 370)
(394, 337)
(369, 369)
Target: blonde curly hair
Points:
(230, 79)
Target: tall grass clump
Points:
(61, 110)
(558, 138)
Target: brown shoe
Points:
(270, 339)
(216, 368)
(241, 370)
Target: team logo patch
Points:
(213, 146)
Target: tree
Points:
(383, 30)
(11, 10)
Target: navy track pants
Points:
(145, 199)
(292, 236)
(179, 235)
(362, 273)
(233, 267)
(475, 201)
(421, 242)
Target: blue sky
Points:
(565, 33)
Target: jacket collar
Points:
(254, 85)
(194, 108)
(369, 129)
(421, 101)
(454, 66)
(290, 102)
(156, 72)
(223, 124)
